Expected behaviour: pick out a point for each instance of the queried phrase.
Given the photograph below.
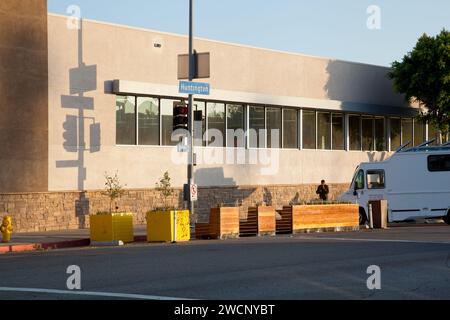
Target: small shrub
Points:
(164, 187)
(113, 190)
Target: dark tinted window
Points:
(439, 163)
(359, 180)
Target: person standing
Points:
(323, 191)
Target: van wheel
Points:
(447, 218)
(362, 216)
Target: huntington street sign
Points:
(188, 87)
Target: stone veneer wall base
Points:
(55, 211)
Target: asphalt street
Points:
(414, 262)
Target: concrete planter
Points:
(160, 226)
(223, 224)
(112, 227)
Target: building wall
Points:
(24, 90)
(108, 52)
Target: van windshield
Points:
(354, 177)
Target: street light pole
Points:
(191, 107)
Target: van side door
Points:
(359, 185)
(376, 184)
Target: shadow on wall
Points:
(212, 177)
(378, 156)
(83, 79)
(359, 83)
(217, 190)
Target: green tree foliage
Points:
(423, 76)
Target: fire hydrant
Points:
(6, 229)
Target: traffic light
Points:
(180, 116)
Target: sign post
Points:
(199, 67)
(190, 173)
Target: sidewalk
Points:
(21, 242)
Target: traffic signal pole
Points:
(191, 107)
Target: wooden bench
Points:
(260, 221)
(223, 224)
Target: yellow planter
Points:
(112, 227)
(160, 226)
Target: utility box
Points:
(379, 214)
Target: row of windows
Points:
(148, 121)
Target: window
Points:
(338, 131)
(274, 127)
(309, 129)
(257, 127)
(376, 179)
(407, 131)
(359, 180)
(439, 163)
(367, 134)
(216, 122)
(396, 133)
(290, 128)
(167, 122)
(419, 132)
(200, 137)
(324, 130)
(126, 120)
(354, 123)
(148, 121)
(380, 134)
(235, 123)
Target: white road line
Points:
(93, 294)
(376, 240)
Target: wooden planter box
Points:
(223, 224)
(333, 217)
(284, 221)
(260, 221)
(112, 227)
(160, 226)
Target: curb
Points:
(27, 247)
(44, 246)
(18, 248)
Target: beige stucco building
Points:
(98, 98)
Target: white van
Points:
(415, 182)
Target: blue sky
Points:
(330, 28)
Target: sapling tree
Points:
(113, 189)
(164, 187)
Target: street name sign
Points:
(187, 87)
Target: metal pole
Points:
(191, 105)
(174, 227)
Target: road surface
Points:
(414, 262)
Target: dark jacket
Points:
(323, 192)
